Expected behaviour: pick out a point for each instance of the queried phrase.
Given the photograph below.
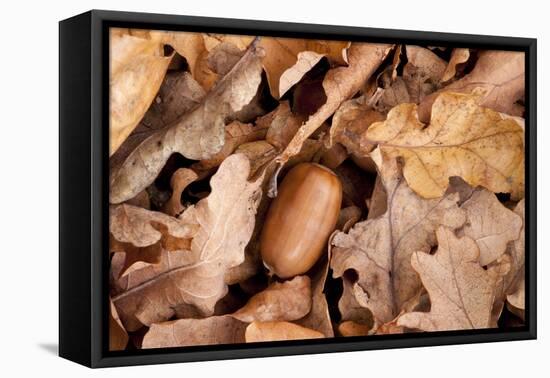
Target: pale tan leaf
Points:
(379, 250)
(516, 279)
(290, 300)
(282, 125)
(198, 134)
(278, 331)
(339, 85)
(226, 220)
(490, 224)
(287, 60)
(190, 332)
(118, 337)
(179, 181)
(461, 291)
(458, 56)
(137, 68)
(501, 75)
(463, 139)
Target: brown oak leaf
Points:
(118, 337)
(463, 139)
(379, 249)
(198, 134)
(226, 220)
(278, 331)
(458, 56)
(461, 291)
(490, 224)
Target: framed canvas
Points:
(235, 188)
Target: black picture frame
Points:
(83, 196)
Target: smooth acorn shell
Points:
(300, 219)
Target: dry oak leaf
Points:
(490, 224)
(226, 220)
(282, 124)
(189, 332)
(118, 337)
(141, 227)
(279, 331)
(516, 278)
(463, 139)
(178, 94)
(501, 75)
(181, 178)
(461, 291)
(379, 250)
(458, 56)
(236, 133)
(136, 69)
(289, 300)
(350, 328)
(198, 134)
(287, 60)
(339, 84)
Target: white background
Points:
(29, 187)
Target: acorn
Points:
(300, 219)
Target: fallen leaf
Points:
(141, 227)
(351, 328)
(501, 75)
(282, 124)
(422, 73)
(379, 250)
(458, 56)
(287, 60)
(463, 139)
(118, 337)
(236, 133)
(490, 224)
(136, 70)
(515, 282)
(179, 181)
(189, 332)
(198, 134)
(226, 221)
(278, 331)
(461, 291)
(290, 300)
(339, 84)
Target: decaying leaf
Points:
(501, 75)
(137, 68)
(287, 60)
(187, 332)
(458, 56)
(118, 337)
(461, 291)
(278, 331)
(339, 85)
(198, 134)
(180, 180)
(226, 221)
(490, 224)
(380, 249)
(290, 300)
(463, 139)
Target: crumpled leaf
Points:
(287, 60)
(463, 139)
(136, 70)
(226, 221)
(141, 227)
(379, 250)
(501, 75)
(118, 337)
(289, 300)
(461, 291)
(188, 332)
(198, 134)
(278, 331)
(181, 178)
(515, 281)
(458, 56)
(282, 124)
(490, 224)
